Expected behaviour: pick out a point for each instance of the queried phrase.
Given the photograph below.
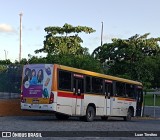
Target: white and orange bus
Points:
(68, 91)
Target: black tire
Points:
(129, 115)
(104, 118)
(61, 116)
(90, 114)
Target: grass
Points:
(149, 100)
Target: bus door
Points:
(108, 96)
(139, 98)
(78, 93)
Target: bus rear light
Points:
(51, 98)
(22, 100)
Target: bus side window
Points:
(120, 89)
(64, 80)
(88, 84)
(97, 85)
(130, 90)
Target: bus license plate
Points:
(35, 101)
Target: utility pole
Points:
(102, 39)
(102, 35)
(6, 53)
(20, 45)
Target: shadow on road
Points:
(71, 119)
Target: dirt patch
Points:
(11, 107)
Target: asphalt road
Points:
(49, 123)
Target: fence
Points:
(10, 78)
(151, 111)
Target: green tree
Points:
(86, 62)
(132, 49)
(23, 61)
(131, 58)
(5, 62)
(155, 65)
(62, 40)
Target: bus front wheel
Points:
(90, 114)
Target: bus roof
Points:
(90, 73)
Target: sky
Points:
(121, 19)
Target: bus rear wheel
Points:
(61, 116)
(129, 115)
(90, 114)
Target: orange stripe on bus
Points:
(126, 99)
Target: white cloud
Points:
(6, 28)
